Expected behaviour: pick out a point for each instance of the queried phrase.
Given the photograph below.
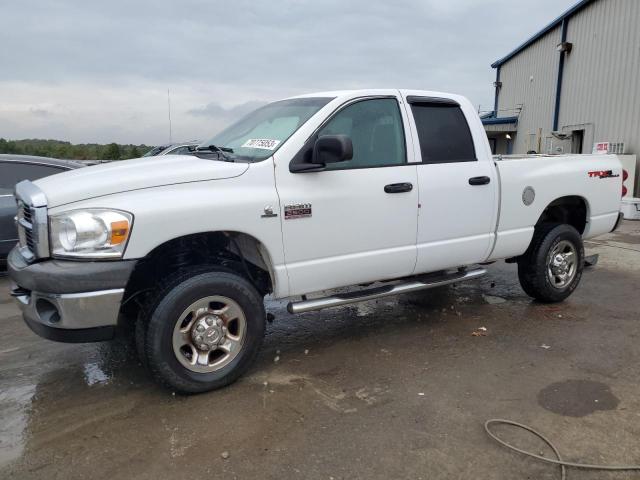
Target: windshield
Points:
(155, 150)
(259, 134)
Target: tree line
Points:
(70, 151)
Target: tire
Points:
(156, 336)
(140, 336)
(534, 267)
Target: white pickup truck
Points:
(383, 191)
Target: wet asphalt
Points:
(395, 388)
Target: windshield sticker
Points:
(263, 143)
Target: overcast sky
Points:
(88, 71)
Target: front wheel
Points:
(551, 268)
(203, 331)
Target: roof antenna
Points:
(169, 105)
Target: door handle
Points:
(479, 180)
(398, 187)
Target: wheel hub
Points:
(562, 264)
(208, 332)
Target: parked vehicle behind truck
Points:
(381, 191)
(172, 149)
(14, 169)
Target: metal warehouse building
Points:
(574, 84)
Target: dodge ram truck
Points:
(377, 192)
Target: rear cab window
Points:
(443, 131)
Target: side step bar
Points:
(417, 283)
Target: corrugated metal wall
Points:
(529, 80)
(601, 85)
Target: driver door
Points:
(355, 221)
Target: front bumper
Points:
(71, 317)
(59, 299)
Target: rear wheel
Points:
(551, 268)
(203, 331)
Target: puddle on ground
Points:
(15, 403)
(93, 374)
(577, 398)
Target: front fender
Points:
(236, 204)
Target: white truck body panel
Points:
(553, 177)
(357, 233)
(456, 221)
(171, 211)
(117, 177)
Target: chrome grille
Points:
(33, 235)
(29, 240)
(25, 230)
(26, 213)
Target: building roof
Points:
(499, 120)
(569, 13)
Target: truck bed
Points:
(552, 177)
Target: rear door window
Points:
(443, 132)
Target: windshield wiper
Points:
(220, 151)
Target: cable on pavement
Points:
(558, 461)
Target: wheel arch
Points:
(233, 250)
(571, 209)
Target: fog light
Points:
(47, 311)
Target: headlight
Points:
(91, 233)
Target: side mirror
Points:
(332, 149)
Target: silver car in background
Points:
(184, 148)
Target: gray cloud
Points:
(213, 109)
(106, 66)
(39, 112)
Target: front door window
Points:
(375, 129)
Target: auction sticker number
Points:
(263, 143)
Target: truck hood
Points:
(127, 175)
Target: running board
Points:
(417, 283)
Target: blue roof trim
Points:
(499, 121)
(558, 21)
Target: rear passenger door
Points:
(457, 192)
